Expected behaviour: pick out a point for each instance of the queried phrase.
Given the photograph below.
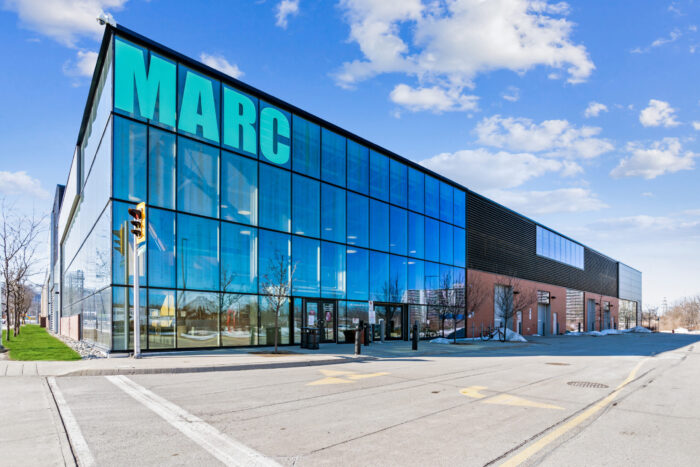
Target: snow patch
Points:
(640, 329)
(440, 340)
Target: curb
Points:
(206, 369)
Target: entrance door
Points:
(395, 319)
(590, 322)
(542, 315)
(520, 322)
(322, 315)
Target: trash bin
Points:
(349, 336)
(312, 339)
(304, 338)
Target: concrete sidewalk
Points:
(237, 359)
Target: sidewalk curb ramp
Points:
(212, 368)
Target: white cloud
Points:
(82, 66)
(285, 9)
(643, 222)
(20, 183)
(512, 94)
(63, 20)
(696, 125)
(658, 113)
(673, 36)
(554, 137)
(220, 63)
(434, 99)
(448, 44)
(482, 170)
(594, 109)
(550, 201)
(665, 156)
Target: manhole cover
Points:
(587, 384)
(558, 363)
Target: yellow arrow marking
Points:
(332, 377)
(505, 399)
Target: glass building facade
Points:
(233, 184)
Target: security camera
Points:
(106, 18)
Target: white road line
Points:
(78, 444)
(227, 450)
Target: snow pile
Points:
(640, 329)
(440, 340)
(512, 336)
(681, 331)
(604, 332)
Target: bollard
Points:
(382, 330)
(366, 331)
(414, 344)
(358, 347)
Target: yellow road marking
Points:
(342, 377)
(534, 448)
(505, 399)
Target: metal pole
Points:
(137, 307)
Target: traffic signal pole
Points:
(139, 222)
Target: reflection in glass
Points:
(446, 202)
(305, 206)
(197, 319)
(416, 189)
(332, 157)
(432, 197)
(123, 328)
(161, 248)
(198, 253)
(460, 247)
(129, 160)
(379, 225)
(432, 239)
(275, 203)
(398, 230)
(332, 213)
(460, 208)
(267, 323)
(416, 281)
(446, 243)
(122, 247)
(239, 319)
(239, 189)
(416, 235)
(358, 220)
(398, 279)
(239, 262)
(161, 168)
(306, 147)
(358, 167)
(379, 276)
(161, 319)
(274, 249)
(197, 178)
(358, 273)
(399, 183)
(378, 176)
(306, 257)
(332, 270)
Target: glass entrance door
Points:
(320, 314)
(395, 317)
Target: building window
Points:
(197, 253)
(416, 190)
(358, 273)
(239, 262)
(197, 178)
(239, 319)
(446, 243)
(306, 212)
(275, 193)
(460, 247)
(197, 319)
(432, 197)
(379, 276)
(332, 213)
(558, 248)
(306, 258)
(274, 251)
(129, 160)
(398, 230)
(460, 208)
(239, 189)
(378, 176)
(306, 147)
(432, 240)
(332, 270)
(161, 319)
(358, 167)
(332, 158)
(358, 220)
(399, 183)
(161, 168)
(161, 248)
(379, 223)
(446, 202)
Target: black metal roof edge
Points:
(196, 65)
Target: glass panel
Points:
(267, 323)
(378, 175)
(275, 134)
(398, 280)
(358, 220)
(432, 239)
(274, 249)
(240, 122)
(416, 235)
(358, 273)
(446, 202)
(297, 320)
(197, 178)
(161, 248)
(239, 262)
(275, 203)
(332, 157)
(306, 147)
(399, 183)
(446, 243)
(123, 247)
(161, 168)
(357, 312)
(460, 247)
(398, 230)
(306, 206)
(379, 276)
(198, 104)
(129, 160)
(198, 253)
(306, 257)
(239, 319)
(416, 281)
(378, 225)
(416, 190)
(332, 213)
(197, 319)
(161, 319)
(332, 270)
(539, 240)
(460, 208)
(358, 167)
(124, 329)
(432, 281)
(239, 189)
(432, 197)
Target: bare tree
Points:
(445, 299)
(18, 235)
(276, 285)
(475, 295)
(511, 296)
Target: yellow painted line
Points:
(534, 448)
(342, 377)
(329, 380)
(368, 375)
(507, 399)
(473, 392)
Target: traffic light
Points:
(139, 222)
(120, 240)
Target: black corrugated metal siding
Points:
(502, 242)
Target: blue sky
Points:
(582, 115)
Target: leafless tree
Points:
(18, 245)
(276, 285)
(445, 299)
(475, 295)
(512, 296)
(685, 313)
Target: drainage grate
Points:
(558, 363)
(587, 384)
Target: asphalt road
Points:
(634, 401)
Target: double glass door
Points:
(395, 317)
(320, 314)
